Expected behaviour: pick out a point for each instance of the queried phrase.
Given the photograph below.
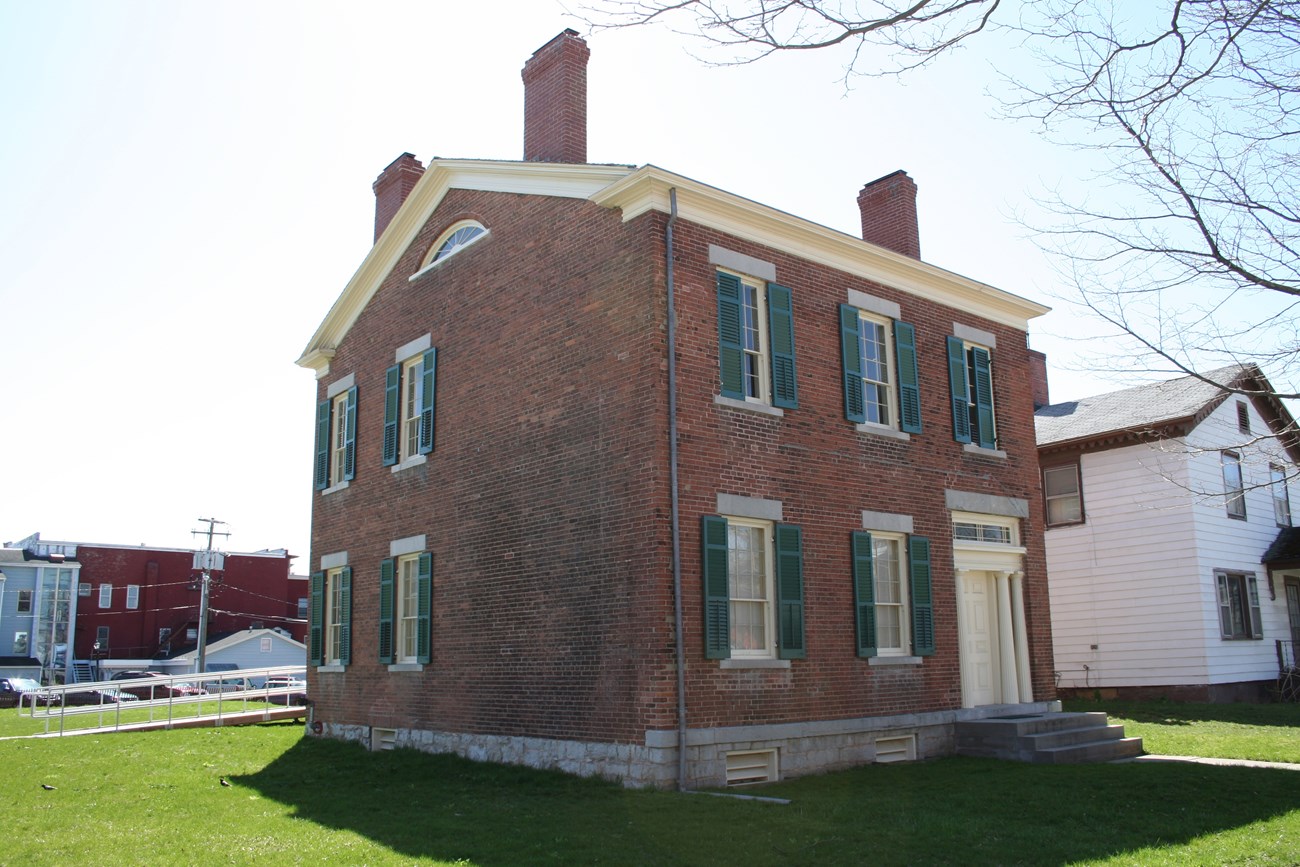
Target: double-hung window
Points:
(970, 378)
(1234, 491)
(1238, 605)
(409, 399)
(330, 640)
(753, 589)
(756, 341)
(881, 380)
(1281, 499)
(133, 596)
(105, 595)
(892, 594)
(336, 435)
(1063, 495)
(406, 609)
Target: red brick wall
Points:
(546, 507)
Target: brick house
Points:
(607, 457)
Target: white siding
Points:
(1132, 590)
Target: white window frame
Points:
(1238, 593)
(1050, 499)
(759, 354)
(338, 439)
(767, 619)
(453, 240)
(133, 596)
(902, 606)
(105, 595)
(1234, 486)
(412, 403)
(972, 405)
(1281, 497)
(888, 385)
(332, 650)
(406, 611)
(22, 643)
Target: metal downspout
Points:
(672, 472)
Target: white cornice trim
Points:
(528, 178)
(647, 188)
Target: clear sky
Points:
(185, 189)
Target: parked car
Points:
(14, 691)
(161, 689)
(284, 681)
(106, 695)
(228, 684)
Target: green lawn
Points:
(1263, 732)
(155, 797)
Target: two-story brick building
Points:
(608, 458)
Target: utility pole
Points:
(205, 561)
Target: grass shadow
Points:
(966, 811)
(1185, 713)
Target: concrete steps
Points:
(1053, 738)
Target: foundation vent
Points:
(383, 739)
(899, 749)
(755, 766)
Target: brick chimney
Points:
(392, 187)
(555, 101)
(888, 207)
(1038, 379)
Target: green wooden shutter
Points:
(855, 408)
(909, 378)
(345, 615)
(957, 387)
(392, 412)
(350, 437)
(780, 325)
(322, 474)
(717, 600)
(985, 436)
(424, 610)
(731, 351)
(789, 591)
(922, 598)
(864, 593)
(427, 394)
(315, 642)
(386, 571)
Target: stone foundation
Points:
(802, 748)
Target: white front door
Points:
(981, 670)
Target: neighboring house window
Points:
(303, 609)
(1281, 499)
(872, 349)
(1238, 605)
(1063, 495)
(892, 594)
(264, 645)
(336, 439)
(1243, 417)
(101, 638)
(330, 636)
(133, 596)
(970, 379)
(24, 601)
(406, 609)
(409, 399)
(105, 595)
(20, 644)
(753, 589)
(83, 588)
(756, 341)
(1233, 488)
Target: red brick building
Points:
(134, 604)
(607, 457)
